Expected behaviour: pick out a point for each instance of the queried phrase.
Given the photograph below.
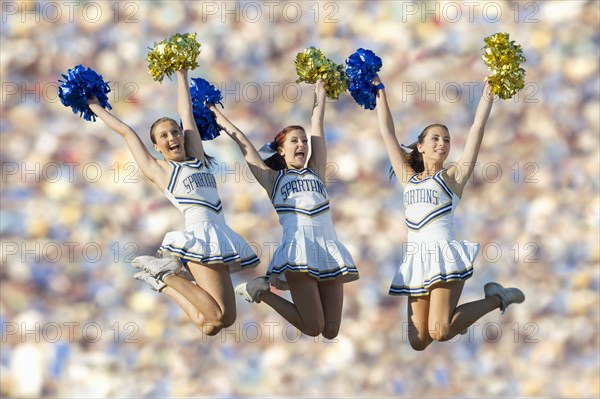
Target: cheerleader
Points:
(209, 249)
(435, 266)
(310, 262)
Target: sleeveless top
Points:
(430, 208)
(193, 190)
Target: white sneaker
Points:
(182, 271)
(507, 296)
(253, 288)
(159, 268)
(156, 285)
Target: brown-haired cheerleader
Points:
(435, 264)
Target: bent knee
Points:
(219, 321)
(313, 329)
(442, 334)
(210, 326)
(227, 319)
(419, 340)
(331, 331)
(419, 344)
(312, 332)
(210, 329)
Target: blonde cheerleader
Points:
(209, 249)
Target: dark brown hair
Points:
(415, 158)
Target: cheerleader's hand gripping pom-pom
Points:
(79, 85)
(312, 65)
(177, 52)
(362, 68)
(503, 58)
(203, 94)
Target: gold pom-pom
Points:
(503, 58)
(177, 52)
(312, 65)
(336, 80)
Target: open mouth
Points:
(300, 154)
(174, 147)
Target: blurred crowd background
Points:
(75, 209)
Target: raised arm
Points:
(193, 141)
(399, 161)
(461, 172)
(318, 157)
(149, 165)
(263, 174)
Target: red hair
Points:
(280, 137)
(277, 161)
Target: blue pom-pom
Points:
(203, 93)
(362, 67)
(80, 84)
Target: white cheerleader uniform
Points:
(206, 239)
(309, 243)
(432, 254)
